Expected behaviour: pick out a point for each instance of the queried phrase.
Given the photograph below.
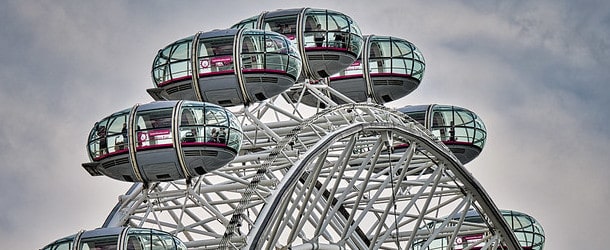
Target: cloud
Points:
(536, 72)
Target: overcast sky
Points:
(535, 71)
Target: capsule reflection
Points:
(163, 141)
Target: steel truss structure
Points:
(332, 178)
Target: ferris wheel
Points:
(309, 158)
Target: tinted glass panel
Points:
(100, 243)
(154, 127)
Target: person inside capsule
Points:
(103, 141)
(226, 67)
(160, 136)
(318, 36)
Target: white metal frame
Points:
(322, 179)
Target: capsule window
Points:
(248, 23)
(161, 70)
(285, 25)
(117, 133)
(163, 57)
(180, 64)
(216, 54)
(63, 244)
(154, 128)
(278, 57)
(396, 56)
(146, 239)
(418, 70)
(108, 136)
(192, 124)
(454, 124)
(441, 125)
(97, 141)
(380, 57)
(401, 66)
(274, 44)
(401, 61)
(339, 31)
(234, 139)
(418, 116)
(315, 31)
(181, 51)
(99, 243)
(233, 120)
(253, 52)
(216, 116)
(209, 125)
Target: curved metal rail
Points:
(223, 209)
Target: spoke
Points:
(329, 180)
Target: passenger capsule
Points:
(163, 141)
(119, 238)
(226, 67)
(528, 231)
(388, 69)
(328, 41)
(460, 129)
